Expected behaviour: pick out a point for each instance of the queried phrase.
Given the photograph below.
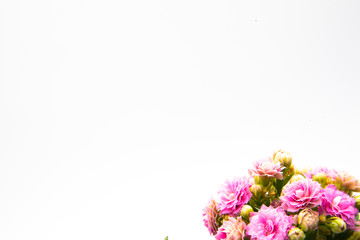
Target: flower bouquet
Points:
(278, 201)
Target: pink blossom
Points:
(267, 168)
(210, 214)
(339, 204)
(234, 195)
(232, 229)
(269, 224)
(305, 193)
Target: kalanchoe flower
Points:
(339, 204)
(210, 214)
(305, 193)
(267, 168)
(232, 229)
(234, 195)
(269, 223)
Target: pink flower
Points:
(339, 204)
(232, 229)
(267, 168)
(234, 195)
(305, 193)
(269, 224)
(210, 214)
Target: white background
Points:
(119, 119)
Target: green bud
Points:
(308, 220)
(245, 212)
(262, 180)
(256, 190)
(336, 225)
(321, 178)
(296, 234)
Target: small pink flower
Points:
(305, 193)
(267, 168)
(232, 229)
(234, 195)
(210, 214)
(269, 224)
(339, 204)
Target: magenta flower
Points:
(305, 193)
(210, 214)
(267, 168)
(232, 229)
(234, 195)
(269, 224)
(339, 204)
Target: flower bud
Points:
(296, 234)
(296, 177)
(336, 225)
(321, 178)
(282, 157)
(256, 190)
(308, 220)
(245, 212)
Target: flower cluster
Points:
(277, 201)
